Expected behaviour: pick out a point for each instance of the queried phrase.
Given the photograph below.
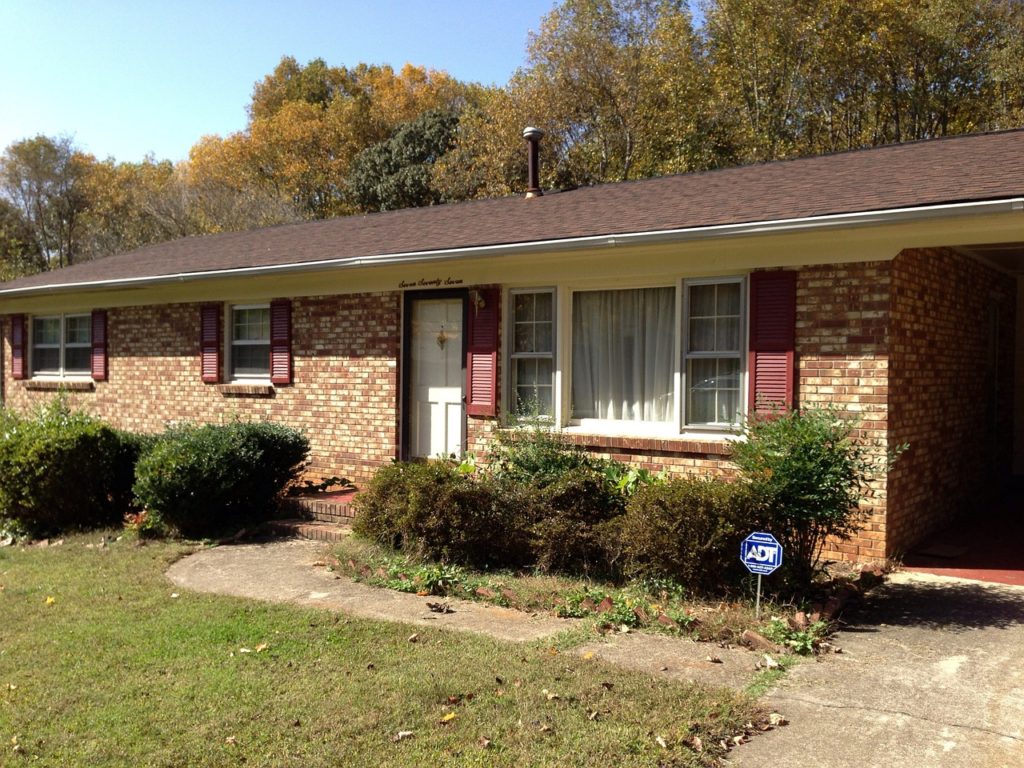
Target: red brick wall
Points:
(345, 351)
(951, 389)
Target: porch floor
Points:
(989, 546)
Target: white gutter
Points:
(774, 226)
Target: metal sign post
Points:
(761, 554)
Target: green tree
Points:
(397, 173)
(19, 253)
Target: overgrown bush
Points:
(537, 455)
(433, 510)
(812, 475)
(688, 530)
(206, 480)
(63, 470)
(574, 529)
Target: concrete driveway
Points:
(931, 675)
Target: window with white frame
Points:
(249, 356)
(61, 345)
(713, 360)
(532, 356)
(623, 352)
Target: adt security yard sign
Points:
(761, 553)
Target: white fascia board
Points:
(777, 226)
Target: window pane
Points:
(543, 338)
(702, 335)
(524, 307)
(46, 360)
(76, 360)
(702, 300)
(77, 330)
(622, 354)
(727, 334)
(524, 337)
(543, 306)
(728, 298)
(251, 324)
(46, 330)
(250, 360)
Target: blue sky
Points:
(128, 78)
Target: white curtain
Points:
(622, 347)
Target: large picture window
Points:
(532, 359)
(623, 344)
(250, 342)
(61, 345)
(714, 330)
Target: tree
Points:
(397, 173)
(19, 253)
(43, 178)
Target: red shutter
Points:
(281, 341)
(772, 340)
(209, 342)
(99, 345)
(482, 353)
(18, 369)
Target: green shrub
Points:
(538, 456)
(688, 530)
(813, 476)
(205, 480)
(62, 470)
(434, 510)
(574, 529)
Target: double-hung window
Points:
(61, 345)
(532, 357)
(250, 342)
(714, 333)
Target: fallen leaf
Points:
(484, 742)
(770, 663)
(545, 728)
(607, 686)
(261, 647)
(245, 650)
(776, 719)
(414, 638)
(440, 608)
(588, 655)
(550, 696)
(697, 744)
(230, 740)
(448, 718)
(371, 665)
(50, 600)
(174, 595)
(714, 659)
(403, 735)
(661, 742)
(591, 714)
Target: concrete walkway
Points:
(931, 676)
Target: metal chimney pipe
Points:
(533, 137)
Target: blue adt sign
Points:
(761, 553)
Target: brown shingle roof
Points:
(957, 169)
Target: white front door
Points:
(436, 378)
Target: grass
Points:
(101, 665)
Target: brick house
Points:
(645, 318)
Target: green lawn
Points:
(114, 671)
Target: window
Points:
(714, 322)
(250, 342)
(61, 345)
(533, 352)
(623, 347)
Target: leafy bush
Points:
(537, 455)
(63, 470)
(209, 479)
(688, 530)
(434, 510)
(812, 475)
(575, 530)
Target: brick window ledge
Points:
(246, 390)
(655, 444)
(57, 385)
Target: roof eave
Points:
(777, 226)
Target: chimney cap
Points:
(530, 133)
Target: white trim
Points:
(771, 226)
(61, 374)
(508, 387)
(229, 344)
